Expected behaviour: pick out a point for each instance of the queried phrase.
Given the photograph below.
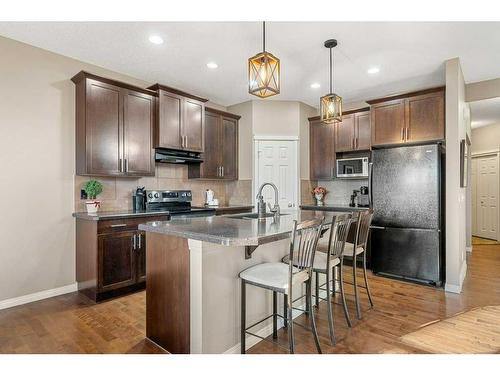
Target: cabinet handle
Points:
(118, 225)
(406, 133)
(139, 245)
(222, 171)
(120, 166)
(126, 165)
(134, 242)
(356, 143)
(185, 141)
(402, 134)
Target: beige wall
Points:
(305, 111)
(486, 138)
(274, 117)
(482, 90)
(457, 125)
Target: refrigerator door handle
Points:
(376, 227)
(370, 170)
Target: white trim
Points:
(275, 138)
(468, 249)
(453, 288)
(16, 301)
(264, 332)
(485, 153)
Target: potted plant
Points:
(92, 188)
(319, 193)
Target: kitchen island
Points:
(192, 284)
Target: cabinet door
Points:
(229, 135)
(344, 134)
(168, 123)
(388, 122)
(141, 256)
(138, 133)
(322, 151)
(425, 117)
(103, 129)
(193, 125)
(212, 155)
(363, 130)
(117, 260)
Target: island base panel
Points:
(167, 292)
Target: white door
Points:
(474, 196)
(487, 197)
(277, 163)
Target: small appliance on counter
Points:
(139, 199)
(176, 202)
(210, 199)
(363, 197)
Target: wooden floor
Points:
(69, 324)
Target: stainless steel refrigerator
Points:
(407, 228)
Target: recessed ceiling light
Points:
(315, 85)
(212, 65)
(155, 39)
(373, 70)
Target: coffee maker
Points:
(139, 199)
(363, 197)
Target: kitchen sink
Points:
(253, 216)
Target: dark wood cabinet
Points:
(111, 256)
(114, 127)
(409, 118)
(220, 159)
(180, 119)
(353, 133)
(322, 150)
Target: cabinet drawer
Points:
(127, 224)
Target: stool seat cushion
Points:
(349, 249)
(320, 259)
(273, 276)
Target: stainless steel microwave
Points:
(352, 167)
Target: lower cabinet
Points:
(111, 256)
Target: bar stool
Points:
(360, 242)
(329, 256)
(280, 278)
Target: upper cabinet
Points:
(180, 120)
(321, 150)
(353, 133)
(114, 127)
(410, 118)
(220, 159)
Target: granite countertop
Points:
(231, 231)
(332, 207)
(229, 207)
(103, 215)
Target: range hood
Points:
(166, 155)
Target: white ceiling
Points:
(410, 55)
(485, 112)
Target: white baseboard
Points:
(11, 302)
(264, 332)
(453, 288)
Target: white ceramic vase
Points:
(92, 207)
(319, 199)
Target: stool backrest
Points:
(303, 245)
(363, 228)
(339, 230)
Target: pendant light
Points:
(331, 104)
(264, 72)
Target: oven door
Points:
(352, 168)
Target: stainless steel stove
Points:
(176, 202)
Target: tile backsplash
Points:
(339, 191)
(117, 191)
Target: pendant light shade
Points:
(331, 104)
(264, 72)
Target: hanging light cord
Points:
(331, 71)
(264, 36)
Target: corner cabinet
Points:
(321, 150)
(180, 120)
(220, 159)
(410, 118)
(353, 133)
(114, 127)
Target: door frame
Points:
(255, 161)
(481, 154)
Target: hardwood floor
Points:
(70, 324)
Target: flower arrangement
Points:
(319, 193)
(92, 188)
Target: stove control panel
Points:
(159, 196)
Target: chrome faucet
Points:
(261, 205)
